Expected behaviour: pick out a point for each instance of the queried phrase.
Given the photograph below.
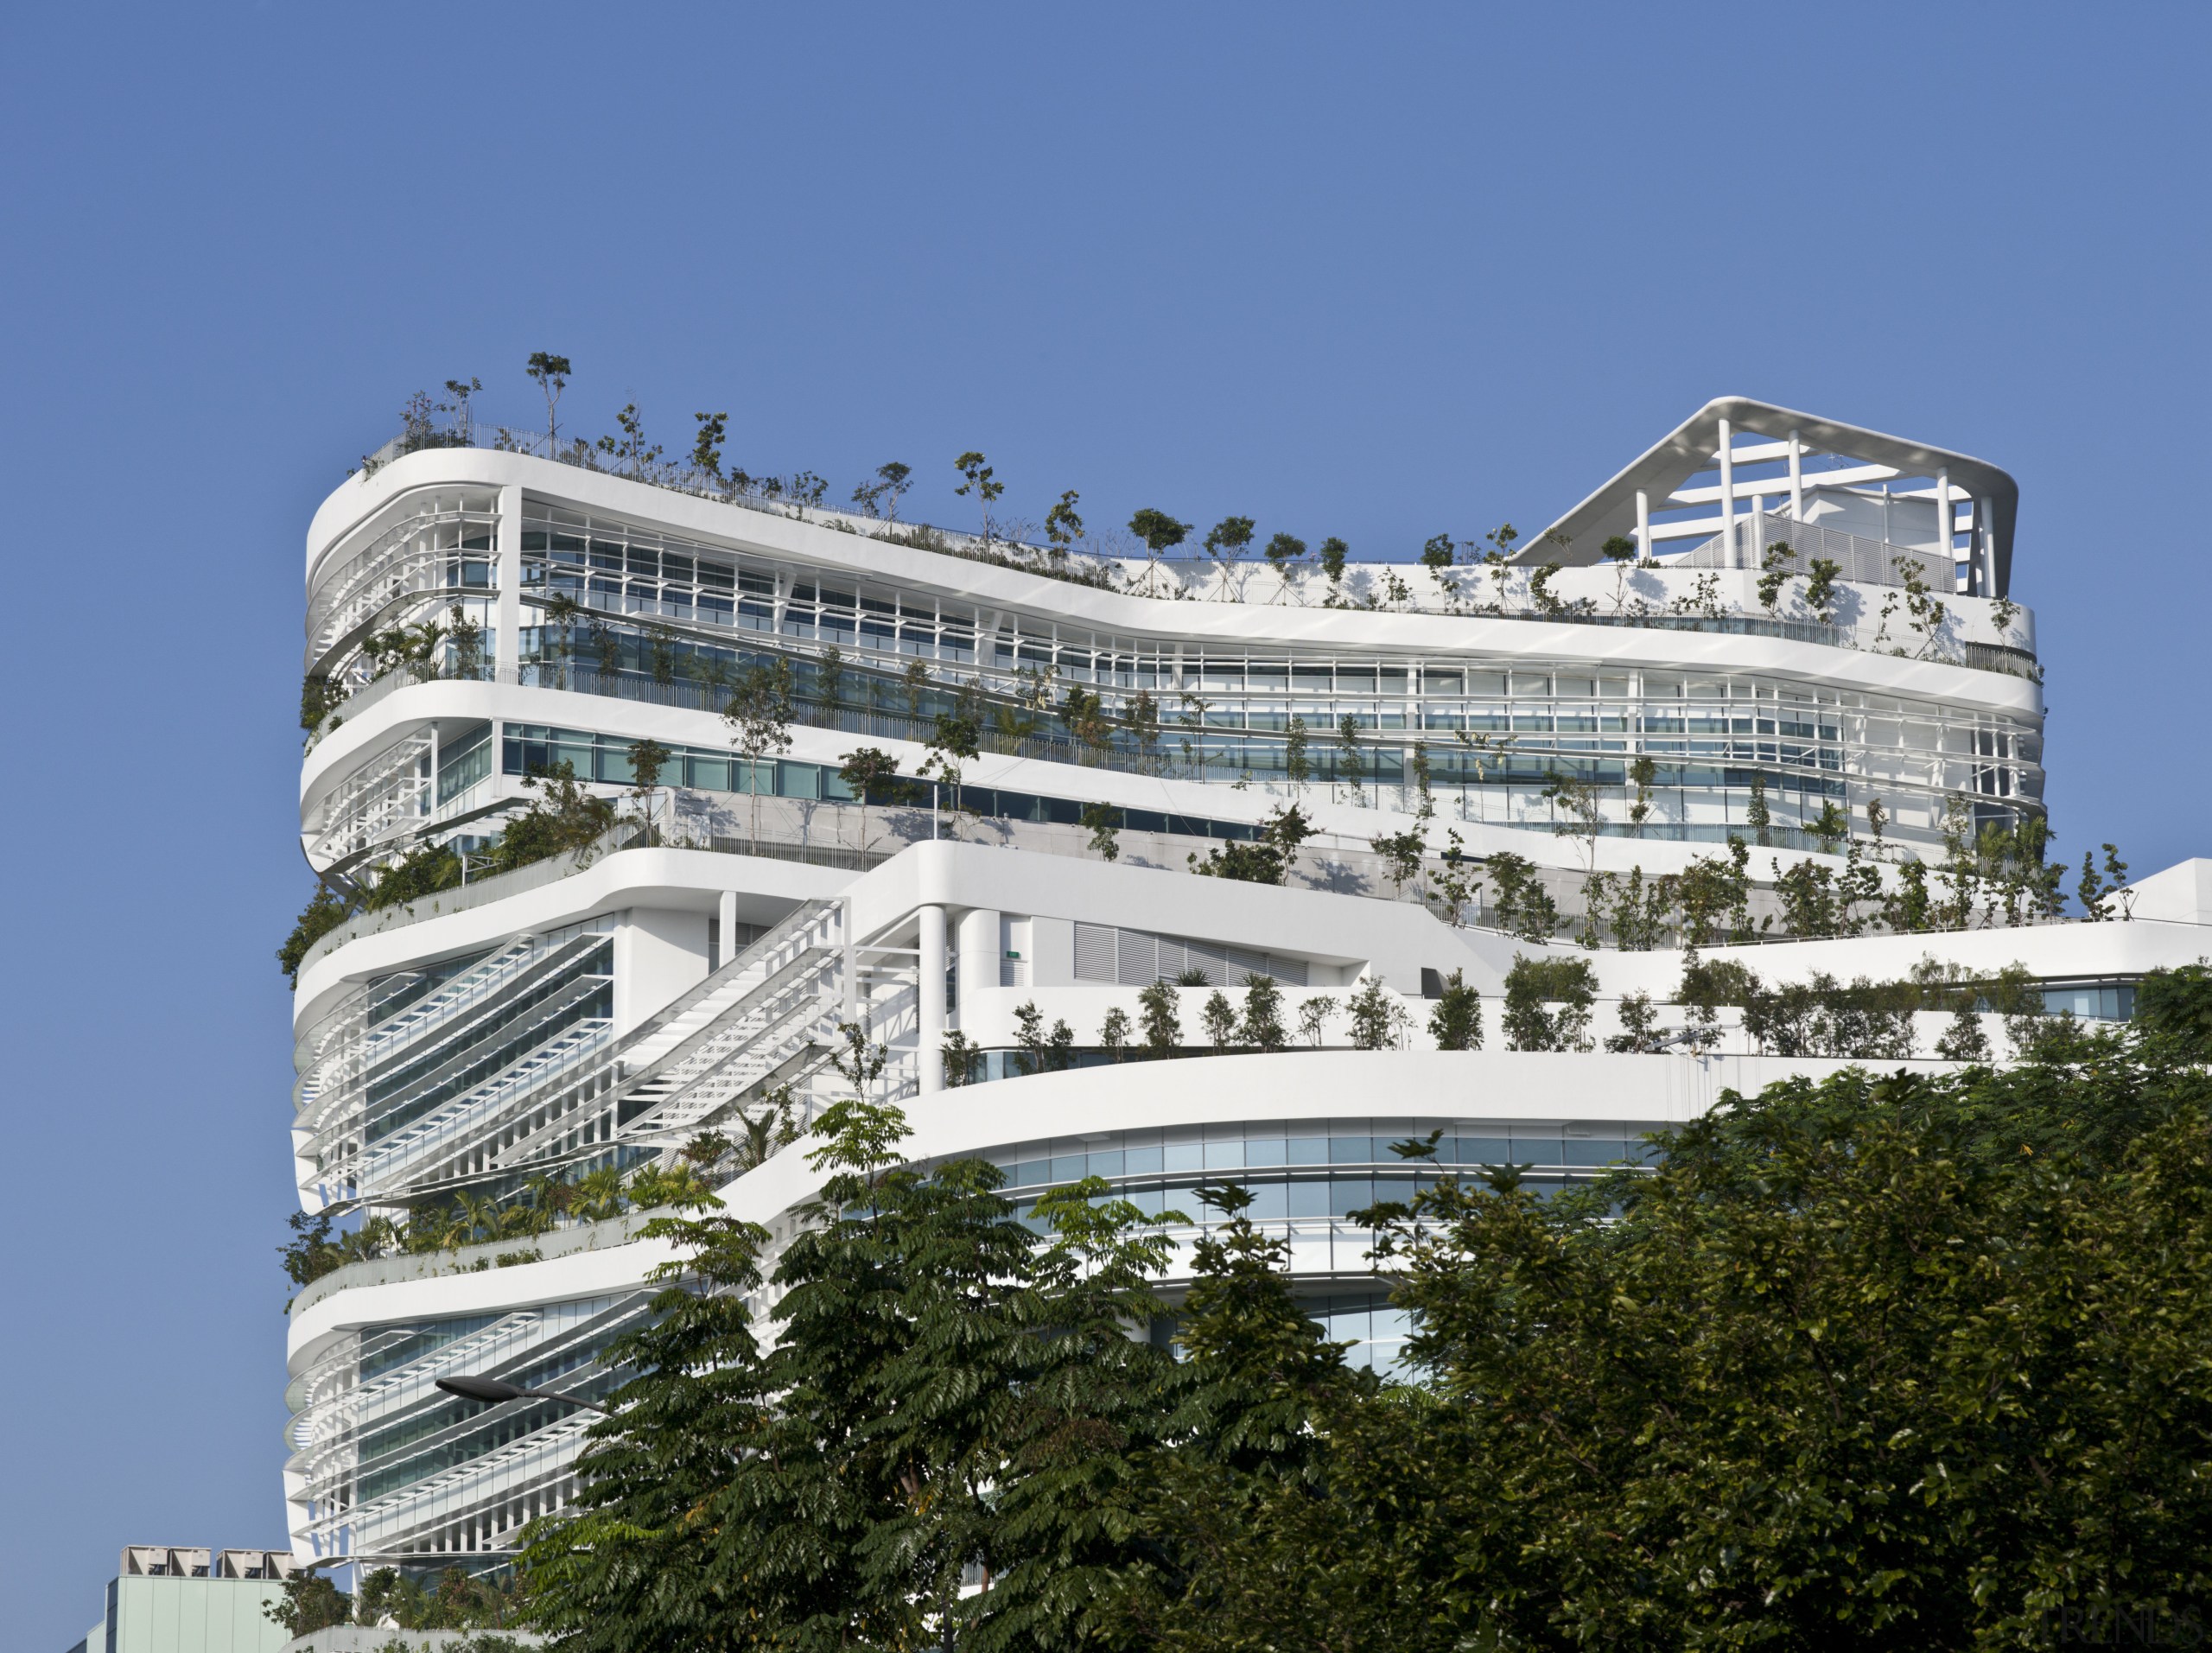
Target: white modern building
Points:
(1771, 627)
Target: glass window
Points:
(1309, 1197)
(1582, 1150)
(1348, 1194)
(1308, 1150)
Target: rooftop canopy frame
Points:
(1706, 440)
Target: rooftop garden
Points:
(1156, 555)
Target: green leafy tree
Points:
(1456, 1023)
(1757, 816)
(2102, 894)
(1619, 550)
(1297, 768)
(309, 1602)
(707, 445)
(1261, 1027)
(1063, 527)
(759, 714)
(549, 374)
(1775, 570)
(954, 744)
(1522, 907)
(1819, 590)
(1042, 1050)
(1114, 1032)
(1375, 1016)
(1284, 552)
(1821, 1377)
(1351, 761)
(979, 481)
(958, 1053)
(1159, 1019)
(1103, 822)
(1267, 860)
(1715, 897)
(862, 770)
(1547, 1003)
(648, 758)
(1333, 554)
(1226, 542)
(1218, 1017)
(1639, 1034)
(1159, 532)
(881, 496)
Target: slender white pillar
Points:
(850, 945)
(727, 918)
(1727, 495)
(979, 954)
(1797, 479)
(1985, 516)
(1643, 526)
(507, 637)
(1946, 523)
(930, 1052)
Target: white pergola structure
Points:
(1698, 481)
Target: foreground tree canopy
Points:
(1901, 1360)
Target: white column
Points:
(849, 943)
(979, 958)
(1797, 479)
(1642, 525)
(506, 646)
(1727, 495)
(929, 1053)
(1946, 524)
(1985, 516)
(726, 917)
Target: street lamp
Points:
(490, 1391)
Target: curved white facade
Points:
(564, 1017)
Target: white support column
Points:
(850, 942)
(506, 644)
(726, 917)
(1727, 495)
(1643, 526)
(1985, 520)
(1945, 522)
(979, 958)
(1797, 479)
(929, 1051)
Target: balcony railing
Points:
(1860, 560)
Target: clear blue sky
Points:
(1380, 272)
